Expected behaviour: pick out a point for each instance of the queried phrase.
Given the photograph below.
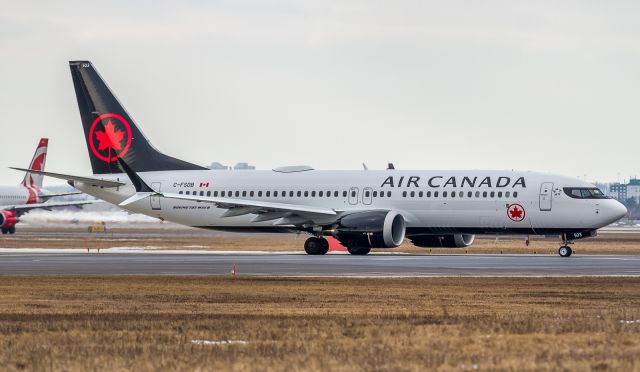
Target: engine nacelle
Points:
(371, 229)
(443, 241)
(8, 219)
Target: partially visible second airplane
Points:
(28, 195)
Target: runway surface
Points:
(374, 265)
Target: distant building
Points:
(624, 191)
(217, 166)
(244, 166)
(240, 166)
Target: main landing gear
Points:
(10, 230)
(316, 246)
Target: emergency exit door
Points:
(546, 190)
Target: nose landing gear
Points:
(565, 251)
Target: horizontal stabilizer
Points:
(68, 177)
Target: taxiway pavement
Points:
(19, 262)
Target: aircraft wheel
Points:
(4, 231)
(316, 246)
(12, 230)
(565, 251)
(359, 251)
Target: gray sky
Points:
(545, 85)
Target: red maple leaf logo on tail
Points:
(110, 138)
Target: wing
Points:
(49, 196)
(23, 208)
(285, 213)
(68, 177)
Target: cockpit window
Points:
(584, 193)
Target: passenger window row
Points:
(460, 194)
(275, 194)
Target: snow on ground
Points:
(40, 216)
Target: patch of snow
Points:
(221, 342)
(630, 321)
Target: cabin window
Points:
(484, 194)
(188, 192)
(306, 193)
(268, 194)
(215, 193)
(477, 194)
(444, 194)
(382, 194)
(335, 194)
(507, 194)
(404, 194)
(420, 194)
(435, 194)
(237, 193)
(208, 193)
(313, 194)
(299, 194)
(260, 193)
(180, 192)
(244, 194)
(375, 194)
(453, 194)
(366, 194)
(251, 193)
(344, 194)
(515, 194)
(428, 194)
(201, 193)
(320, 193)
(469, 194)
(222, 193)
(388, 194)
(353, 194)
(499, 194)
(275, 194)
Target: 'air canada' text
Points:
(440, 181)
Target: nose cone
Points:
(615, 211)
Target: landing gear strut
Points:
(316, 246)
(565, 250)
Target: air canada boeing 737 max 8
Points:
(363, 209)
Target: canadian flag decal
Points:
(204, 184)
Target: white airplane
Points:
(28, 195)
(363, 209)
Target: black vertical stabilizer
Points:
(109, 130)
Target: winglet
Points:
(138, 183)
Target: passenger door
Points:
(155, 200)
(546, 190)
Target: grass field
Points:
(195, 239)
(149, 323)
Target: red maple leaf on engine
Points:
(516, 213)
(110, 138)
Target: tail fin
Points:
(109, 130)
(37, 163)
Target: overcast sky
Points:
(533, 85)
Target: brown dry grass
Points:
(183, 238)
(147, 323)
